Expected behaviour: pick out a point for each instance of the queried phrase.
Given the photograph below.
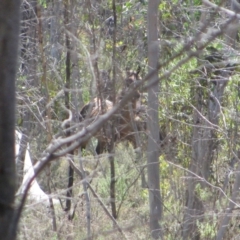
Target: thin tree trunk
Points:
(67, 98)
(111, 149)
(45, 89)
(155, 202)
(87, 197)
(44, 79)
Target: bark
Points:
(9, 30)
(155, 202)
(111, 148)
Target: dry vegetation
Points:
(198, 116)
(132, 200)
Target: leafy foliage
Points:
(189, 74)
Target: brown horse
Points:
(130, 119)
(123, 121)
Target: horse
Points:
(130, 119)
(124, 121)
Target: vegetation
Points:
(72, 52)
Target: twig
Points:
(216, 7)
(98, 199)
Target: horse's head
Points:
(132, 77)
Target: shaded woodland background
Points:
(72, 51)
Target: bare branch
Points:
(98, 199)
(218, 8)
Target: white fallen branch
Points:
(35, 192)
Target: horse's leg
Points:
(136, 142)
(73, 209)
(101, 147)
(69, 188)
(69, 194)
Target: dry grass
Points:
(36, 222)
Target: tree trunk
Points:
(110, 145)
(155, 202)
(9, 30)
(67, 99)
(204, 142)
